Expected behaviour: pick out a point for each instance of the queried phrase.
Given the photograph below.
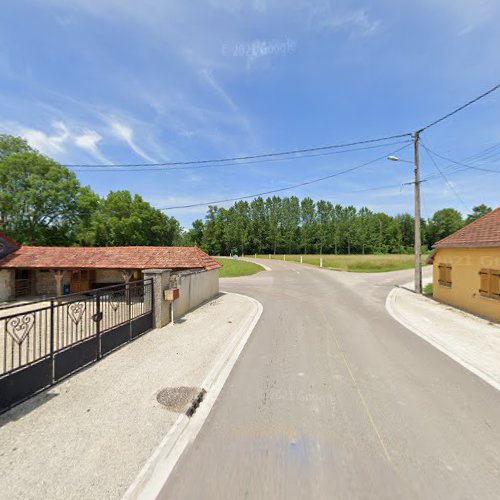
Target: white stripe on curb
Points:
(156, 471)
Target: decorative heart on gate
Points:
(76, 310)
(20, 326)
(113, 302)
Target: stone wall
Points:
(7, 277)
(45, 283)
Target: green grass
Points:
(355, 263)
(233, 268)
(428, 290)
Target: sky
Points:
(122, 81)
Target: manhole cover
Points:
(178, 399)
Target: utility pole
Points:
(418, 243)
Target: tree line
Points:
(289, 225)
(43, 203)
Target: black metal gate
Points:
(42, 345)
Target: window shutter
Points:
(484, 282)
(442, 274)
(495, 284)
(448, 275)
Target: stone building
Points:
(34, 271)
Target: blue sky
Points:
(122, 81)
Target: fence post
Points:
(321, 262)
(129, 299)
(52, 357)
(160, 281)
(301, 259)
(98, 323)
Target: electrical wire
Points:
(249, 157)
(463, 164)
(460, 108)
(450, 185)
(306, 183)
(196, 167)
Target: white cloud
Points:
(59, 143)
(126, 134)
(46, 143)
(357, 22)
(89, 141)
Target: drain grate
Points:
(181, 399)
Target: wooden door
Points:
(82, 280)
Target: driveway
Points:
(332, 398)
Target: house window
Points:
(445, 275)
(489, 283)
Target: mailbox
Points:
(172, 294)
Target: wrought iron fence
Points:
(42, 345)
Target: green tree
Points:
(194, 236)
(38, 197)
(406, 224)
(443, 223)
(126, 220)
(291, 220)
(213, 235)
(308, 221)
(324, 215)
(364, 227)
(259, 225)
(275, 221)
(478, 212)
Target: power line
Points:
(196, 167)
(450, 185)
(435, 122)
(463, 164)
(336, 174)
(249, 157)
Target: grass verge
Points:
(428, 290)
(233, 268)
(356, 263)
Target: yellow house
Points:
(466, 267)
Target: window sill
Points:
(490, 299)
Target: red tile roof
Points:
(109, 258)
(484, 232)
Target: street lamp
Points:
(395, 158)
(418, 243)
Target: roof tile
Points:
(480, 233)
(31, 257)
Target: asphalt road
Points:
(332, 398)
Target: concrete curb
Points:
(392, 309)
(156, 471)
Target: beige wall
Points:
(464, 292)
(7, 277)
(108, 276)
(195, 288)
